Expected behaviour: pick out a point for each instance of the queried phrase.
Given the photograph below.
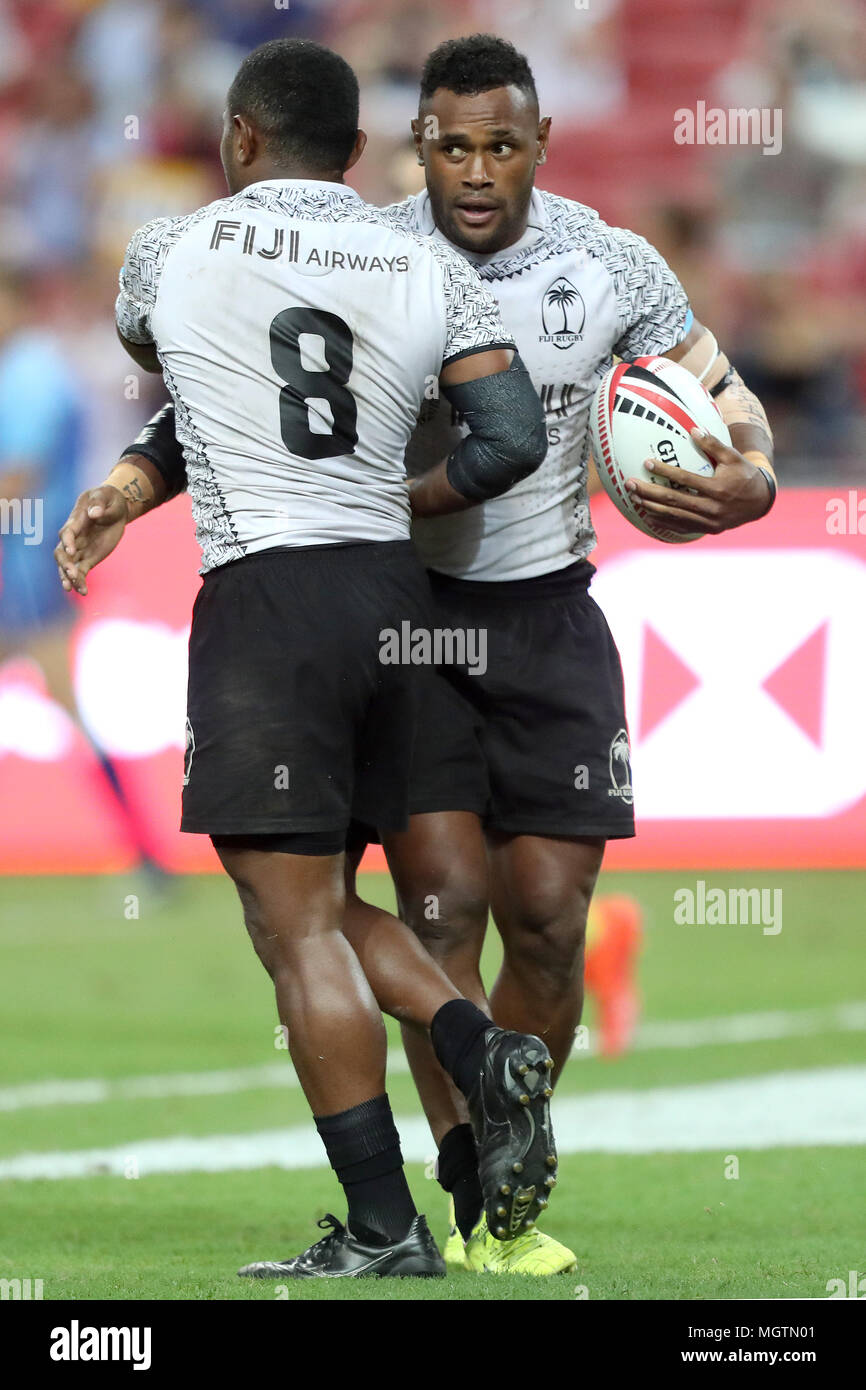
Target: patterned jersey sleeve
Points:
(403, 215)
(139, 279)
(473, 320)
(653, 307)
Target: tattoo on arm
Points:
(134, 483)
(744, 415)
(134, 491)
(747, 402)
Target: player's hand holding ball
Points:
(651, 421)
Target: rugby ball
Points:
(645, 410)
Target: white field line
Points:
(757, 1027)
(194, 1083)
(730, 1028)
(824, 1106)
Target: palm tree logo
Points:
(555, 306)
(620, 767)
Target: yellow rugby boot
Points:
(453, 1252)
(531, 1252)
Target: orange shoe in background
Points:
(613, 940)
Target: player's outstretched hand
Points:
(94, 527)
(736, 493)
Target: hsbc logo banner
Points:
(744, 676)
(745, 673)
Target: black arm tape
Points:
(158, 442)
(508, 438)
(722, 385)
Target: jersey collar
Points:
(337, 190)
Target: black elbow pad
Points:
(508, 438)
(158, 442)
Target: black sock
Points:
(457, 1033)
(363, 1147)
(457, 1171)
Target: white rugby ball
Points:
(645, 410)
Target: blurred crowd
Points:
(110, 112)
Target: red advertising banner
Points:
(745, 668)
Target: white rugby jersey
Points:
(573, 291)
(298, 329)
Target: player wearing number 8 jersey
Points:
(274, 312)
(297, 331)
(296, 325)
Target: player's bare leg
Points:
(336, 1035)
(406, 980)
(439, 866)
(541, 890)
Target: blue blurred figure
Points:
(41, 433)
(42, 419)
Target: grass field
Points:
(122, 1032)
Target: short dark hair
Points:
(304, 100)
(476, 64)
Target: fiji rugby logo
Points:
(563, 314)
(620, 768)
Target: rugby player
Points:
(549, 707)
(297, 330)
(503, 749)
